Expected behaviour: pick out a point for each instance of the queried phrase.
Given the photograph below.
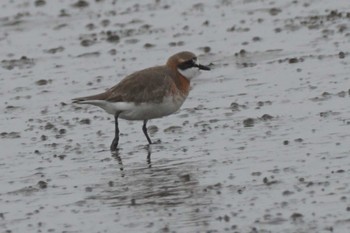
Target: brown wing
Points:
(149, 85)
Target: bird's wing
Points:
(149, 85)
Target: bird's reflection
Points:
(149, 152)
(118, 157)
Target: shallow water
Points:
(260, 145)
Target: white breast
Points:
(140, 111)
(144, 111)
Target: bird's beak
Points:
(202, 67)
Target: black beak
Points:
(202, 67)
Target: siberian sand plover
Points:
(150, 93)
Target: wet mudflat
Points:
(260, 145)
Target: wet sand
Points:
(260, 145)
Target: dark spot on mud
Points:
(341, 55)
(85, 121)
(81, 4)
(60, 26)
(152, 129)
(278, 30)
(87, 42)
(225, 218)
(132, 41)
(63, 13)
(54, 50)
(91, 54)
(11, 108)
(62, 131)
(21, 63)
(185, 178)
(88, 189)
(263, 103)
(112, 37)
(242, 52)
(49, 126)
(269, 182)
(148, 45)
(173, 129)
(231, 29)
(133, 201)
(266, 117)
(285, 142)
(296, 217)
(293, 60)
(174, 44)
(205, 49)
(275, 11)
(256, 39)
(249, 122)
(90, 26)
(42, 184)
(237, 107)
(112, 52)
(324, 96)
(11, 135)
(213, 121)
(298, 140)
(105, 22)
(42, 82)
(62, 157)
(342, 94)
(199, 107)
(287, 193)
(39, 3)
(256, 173)
(13, 23)
(309, 184)
(246, 64)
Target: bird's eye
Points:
(188, 64)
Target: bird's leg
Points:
(144, 129)
(115, 141)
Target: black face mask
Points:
(190, 64)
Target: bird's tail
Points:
(90, 99)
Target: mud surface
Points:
(260, 145)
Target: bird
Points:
(150, 93)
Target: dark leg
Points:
(144, 129)
(114, 144)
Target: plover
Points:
(150, 93)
